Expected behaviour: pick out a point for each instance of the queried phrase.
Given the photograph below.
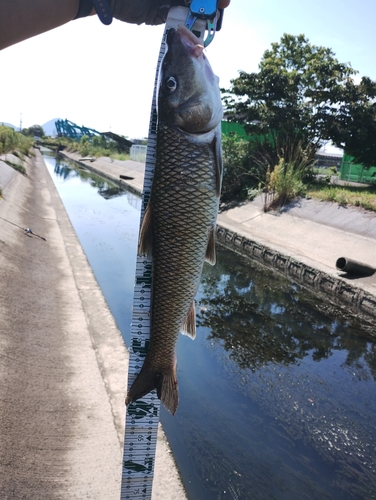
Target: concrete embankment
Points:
(302, 241)
(63, 362)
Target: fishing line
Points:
(26, 230)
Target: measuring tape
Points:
(142, 416)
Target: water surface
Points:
(277, 392)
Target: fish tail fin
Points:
(167, 390)
(165, 382)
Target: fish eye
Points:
(171, 84)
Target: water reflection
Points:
(261, 318)
(105, 188)
(310, 375)
(107, 228)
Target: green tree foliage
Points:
(10, 141)
(34, 131)
(237, 177)
(301, 97)
(295, 94)
(354, 125)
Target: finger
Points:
(222, 4)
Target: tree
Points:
(237, 178)
(303, 94)
(34, 131)
(354, 125)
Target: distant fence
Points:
(138, 153)
(352, 172)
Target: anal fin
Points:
(210, 249)
(189, 325)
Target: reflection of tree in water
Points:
(62, 170)
(258, 317)
(267, 325)
(106, 189)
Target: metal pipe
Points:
(353, 267)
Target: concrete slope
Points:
(63, 363)
(303, 236)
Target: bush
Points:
(14, 141)
(285, 183)
(249, 163)
(238, 175)
(16, 166)
(8, 139)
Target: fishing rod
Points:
(27, 230)
(142, 416)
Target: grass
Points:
(120, 156)
(283, 184)
(322, 170)
(95, 148)
(14, 141)
(16, 166)
(357, 196)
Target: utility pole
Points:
(20, 122)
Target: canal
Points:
(277, 391)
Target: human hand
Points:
(148, 11)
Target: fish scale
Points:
(180, 245)
(177, 230)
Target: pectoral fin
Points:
(145, 242)
(189, 325)
(210, 249)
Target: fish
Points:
(178, 228)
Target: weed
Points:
(284, 183)
(252, 193)
(341, 199)
(368, 204)
(359, 196)
(330, 194)
(16, 166)
(11, 141)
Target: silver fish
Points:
(178, 228)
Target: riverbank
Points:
(303, 241)
(63, 361)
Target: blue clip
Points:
(103, 10)
(203, 9)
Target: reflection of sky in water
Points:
(277, 392)
(108, 231)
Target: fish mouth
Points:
(189, 40)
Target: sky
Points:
(103, 76)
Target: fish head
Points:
(189, 96)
